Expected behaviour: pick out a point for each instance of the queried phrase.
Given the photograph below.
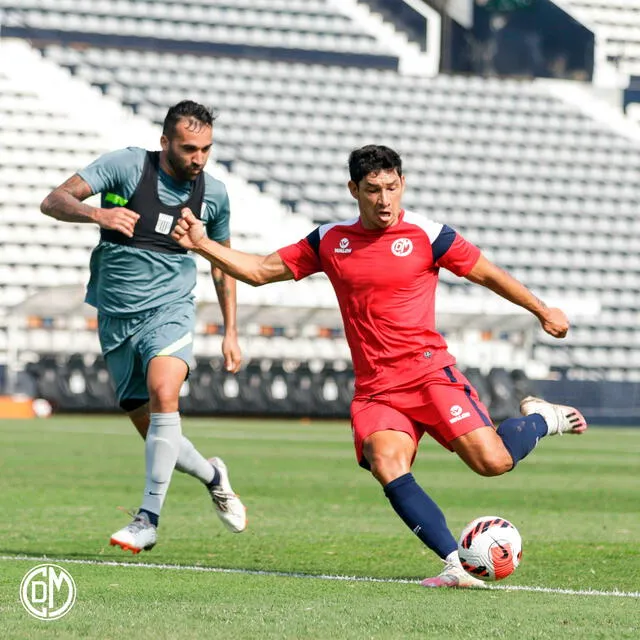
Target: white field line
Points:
(286, 574)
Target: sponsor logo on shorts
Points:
(458, 414)
(402, 247)
(344, 246)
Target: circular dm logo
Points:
(402, 247)
(48, 592)
(456, 410)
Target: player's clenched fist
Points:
(119, 219)
(555, 323)
(189, 231)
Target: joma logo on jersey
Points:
(402, 247)
(344, 246)
(458, 414)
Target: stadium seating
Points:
(616, 24)
(546, 190)
(45, 142)
(297, 24)
(267, 386)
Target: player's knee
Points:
(492, 463)
(164, 397)
(484, 452)
(387, 464)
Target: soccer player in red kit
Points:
(384, 268)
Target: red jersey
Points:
(385, 281)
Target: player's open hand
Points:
(232, 353)
(189, 231)
(555, 322)
(118, 219)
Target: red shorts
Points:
(444, 405)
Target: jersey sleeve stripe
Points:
(314, 240)
(443, 242)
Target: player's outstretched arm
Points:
(553, 320)
(253, 269)
(65, 203)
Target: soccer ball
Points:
(490, 548)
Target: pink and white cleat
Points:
(454, 576)
(559, 417)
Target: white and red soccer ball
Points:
(490, 548)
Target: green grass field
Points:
(313, 512)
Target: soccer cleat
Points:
(454, 576)
(137, 536)
(559, 417)
(226, 503)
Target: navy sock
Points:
(154, 518)
(521, 435)
(215, 480)
(421, 514)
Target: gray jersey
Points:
(127, 280)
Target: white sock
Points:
(161, 452)
(191, 461)
(453, 558)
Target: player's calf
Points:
(484, 451)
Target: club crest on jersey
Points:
(402, 247)
(458, 414)
(164, 223)
(344, 246)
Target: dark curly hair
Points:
(197, 114)
(373, 157)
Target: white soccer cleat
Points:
(454, 576)
(228, 506)
(139, 535)
(559, 417)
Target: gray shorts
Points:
(129, 344)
